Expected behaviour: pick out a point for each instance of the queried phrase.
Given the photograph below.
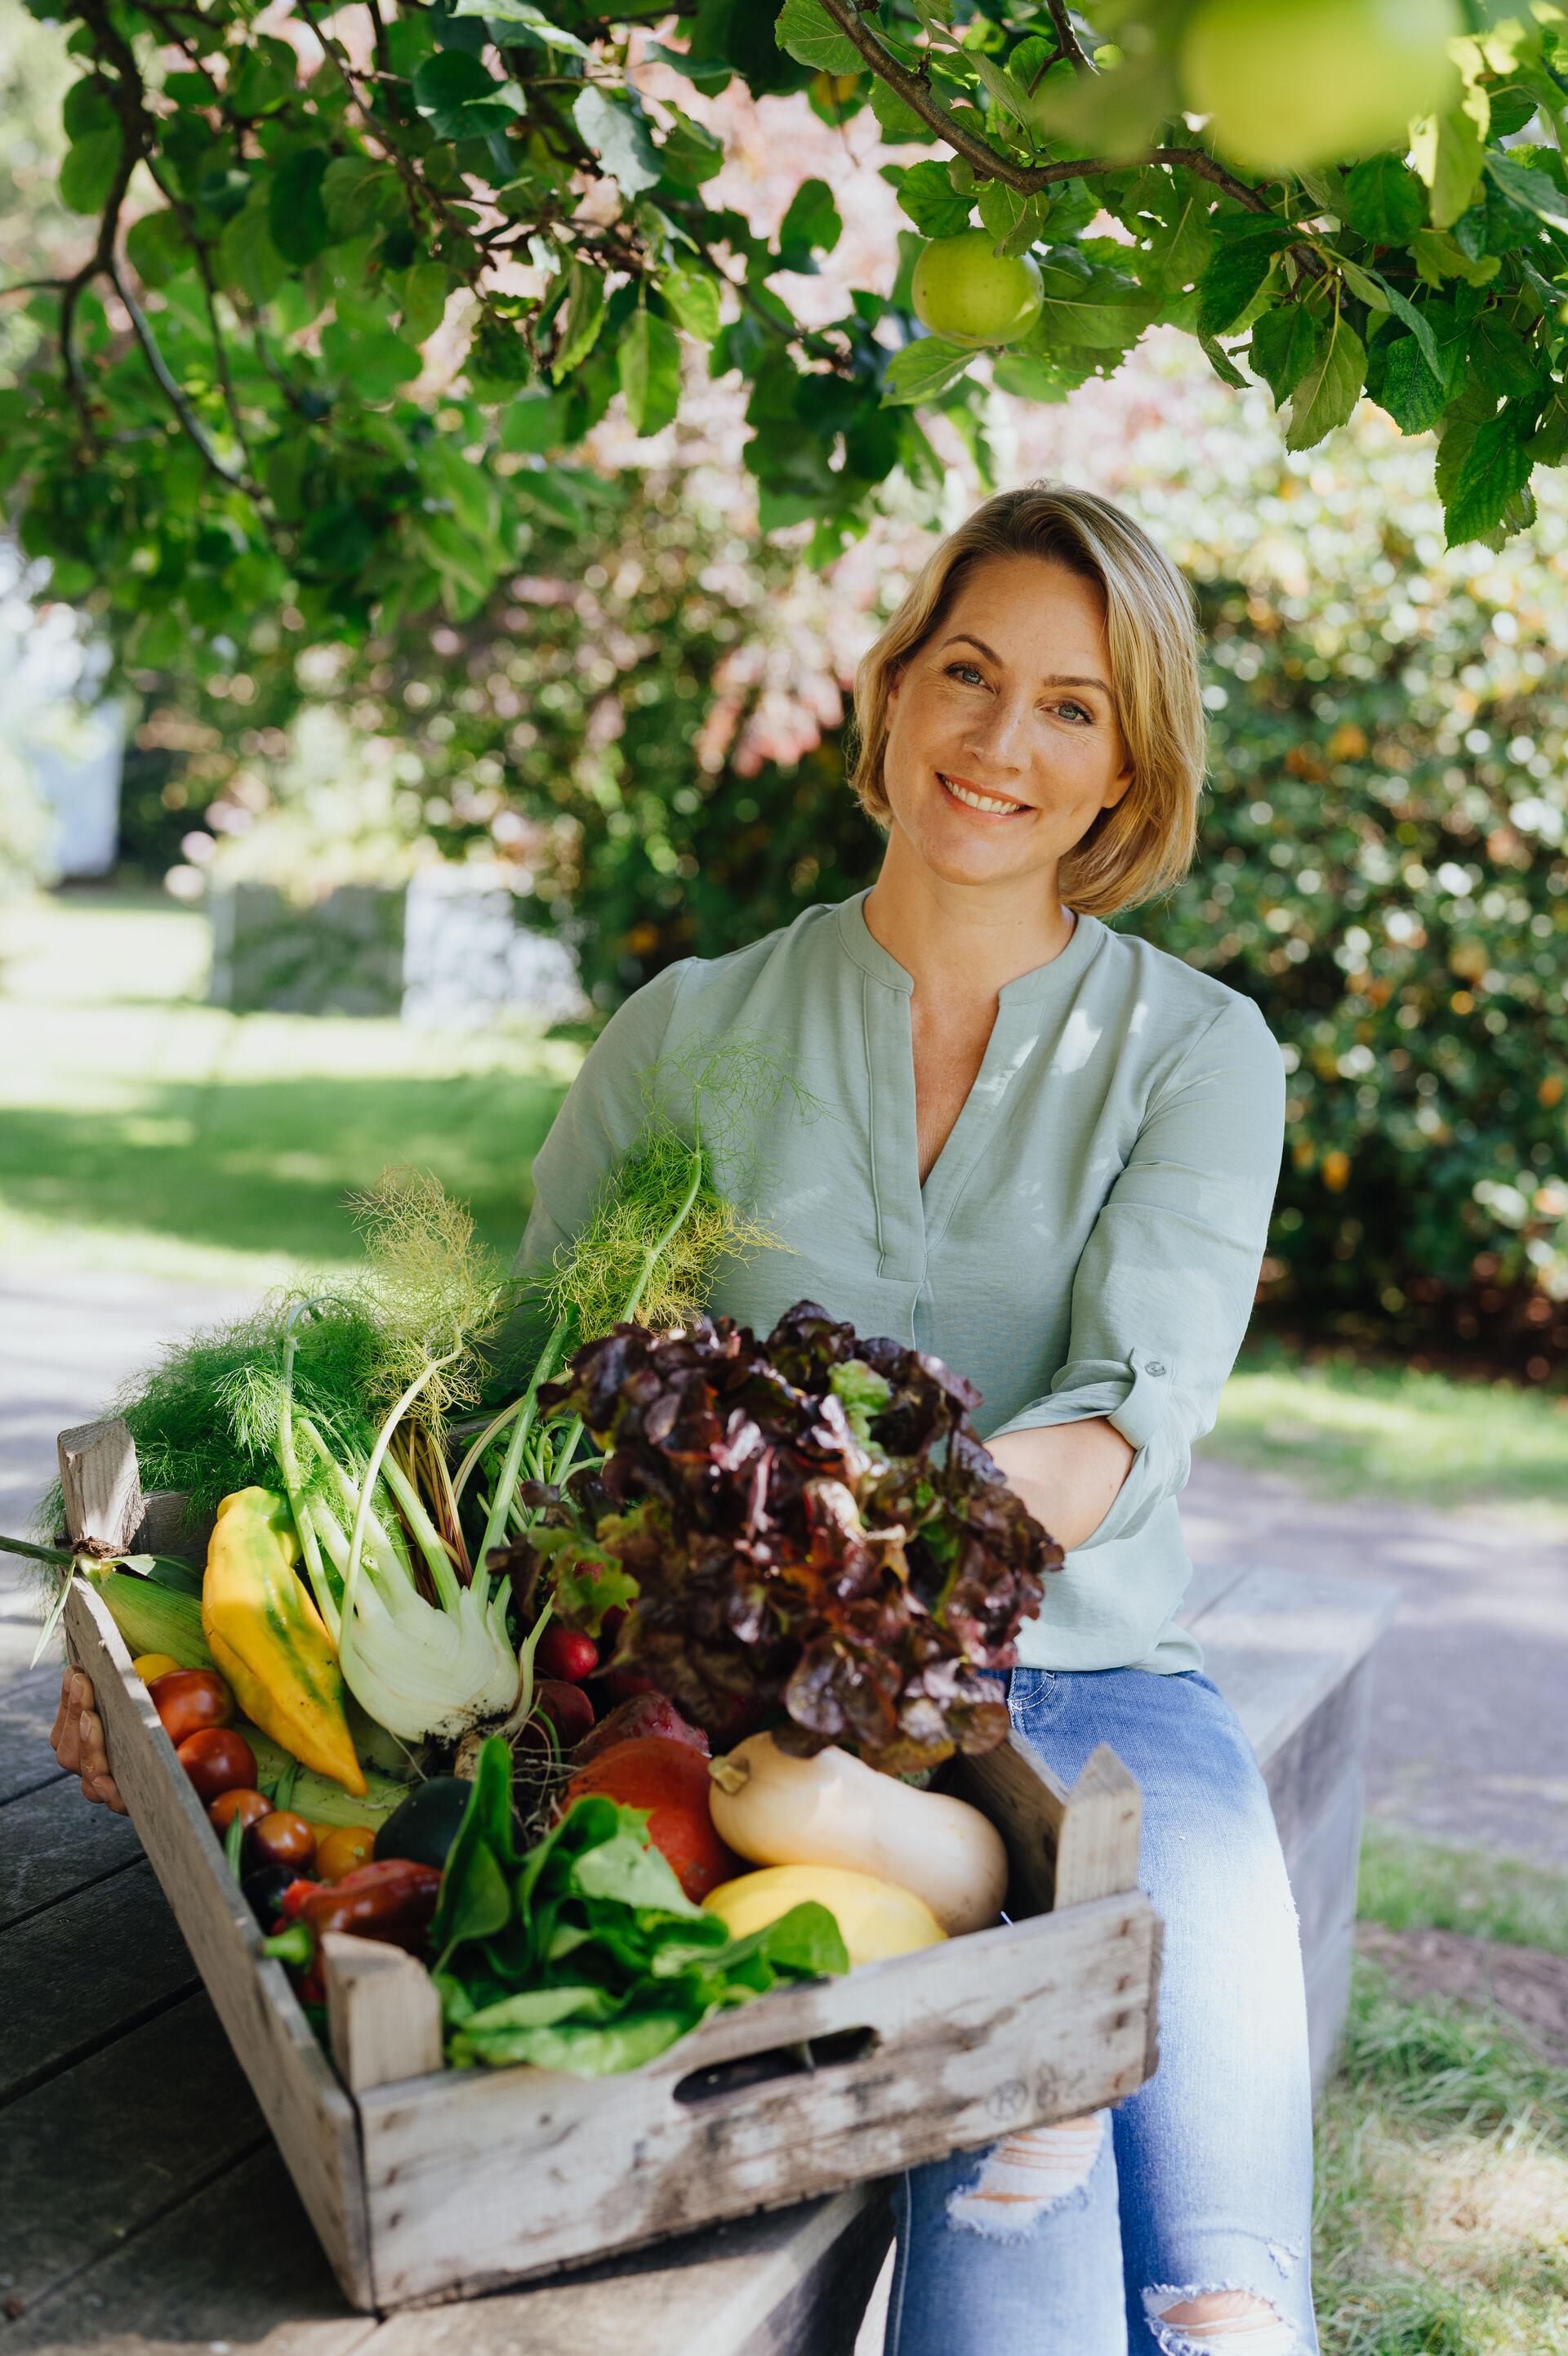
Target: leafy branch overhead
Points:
(355, 280)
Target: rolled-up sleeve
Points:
(599, 1120)
(1165, 1286)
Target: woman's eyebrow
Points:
(1052, 678)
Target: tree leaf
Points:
(296, 215)
(155, 248)
(87, 172)
(1413, 397)
(1327, 394)
(1439, 255)
(1493, 470)
(619, 137)
(812, 223)
(807, 31)
(694, 296)
(1383, 200)
(649, 360)
(527, 23)
(1365, 285)
(1002, 88)
(1089, 304)
(898, 119)
(691, 154)
(1449, 152)
(423, 299)
(1283, 342)
(927, 195)
(1224, 366)
(1235, 271)
(245, 253)
(581, 317)
(922, 370)
(1529, 191)
(375, 365)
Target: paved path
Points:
(1471, 1735)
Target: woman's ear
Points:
(1119, 788)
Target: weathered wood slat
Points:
(1278, 1647)
(793, 2283)
(1304, 1771)
(85, 1971)
(103, 1492)
(27, 1706)
(235, 2267)
(306, 2108)
(444, 2156)
(51, 1844)
(383, 2013)
(1063, 1848)
(146, 2122)
(1209, 1583)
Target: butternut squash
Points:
(834, 1810)
(876, 1918)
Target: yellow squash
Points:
(267, 1637)
(875, 1918)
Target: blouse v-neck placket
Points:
(910, 1218)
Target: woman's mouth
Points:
(989, 805)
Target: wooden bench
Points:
(142, 2202)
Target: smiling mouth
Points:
(989, 805)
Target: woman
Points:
(1046, 1152)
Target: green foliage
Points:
(216, 411)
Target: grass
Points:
(1374, 1431)
(142, 1128)
(1441, 2154)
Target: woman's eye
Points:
(1076, 707)
(953, 668)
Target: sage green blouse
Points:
(1087, 1243)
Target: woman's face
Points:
(1008, 703)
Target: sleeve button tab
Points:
(1157, 1367)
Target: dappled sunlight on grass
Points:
(1429, 1438)
(1442, 2188)
(142, 1128)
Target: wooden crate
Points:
(428, 2184)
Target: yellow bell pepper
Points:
(268, 1638)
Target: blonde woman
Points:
(1047, 1152)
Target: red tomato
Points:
(283, 1838)
(189, 1700)
(216, 1759)
(249, 1806)
(562, 1653)
(341, 1849)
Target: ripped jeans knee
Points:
(1218, 2322)
(1022, 2179)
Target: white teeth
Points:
(979, 801)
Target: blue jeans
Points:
(1094, 2237)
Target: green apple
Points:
(967, 294)
(1290, 84)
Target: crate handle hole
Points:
(810, 2054)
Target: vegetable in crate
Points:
(812, 1525)
(267, 1636)
(833, 1810)
(877, 1920)
(584, 1954)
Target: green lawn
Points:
(140, 1127)
(1442, 2146)
(1384, 1432)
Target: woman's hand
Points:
(77, 1737)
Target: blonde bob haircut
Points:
(1145, 844)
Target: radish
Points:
(648, 1713)
(563, 1654)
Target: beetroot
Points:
(643, 1713)
(567, 1706)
